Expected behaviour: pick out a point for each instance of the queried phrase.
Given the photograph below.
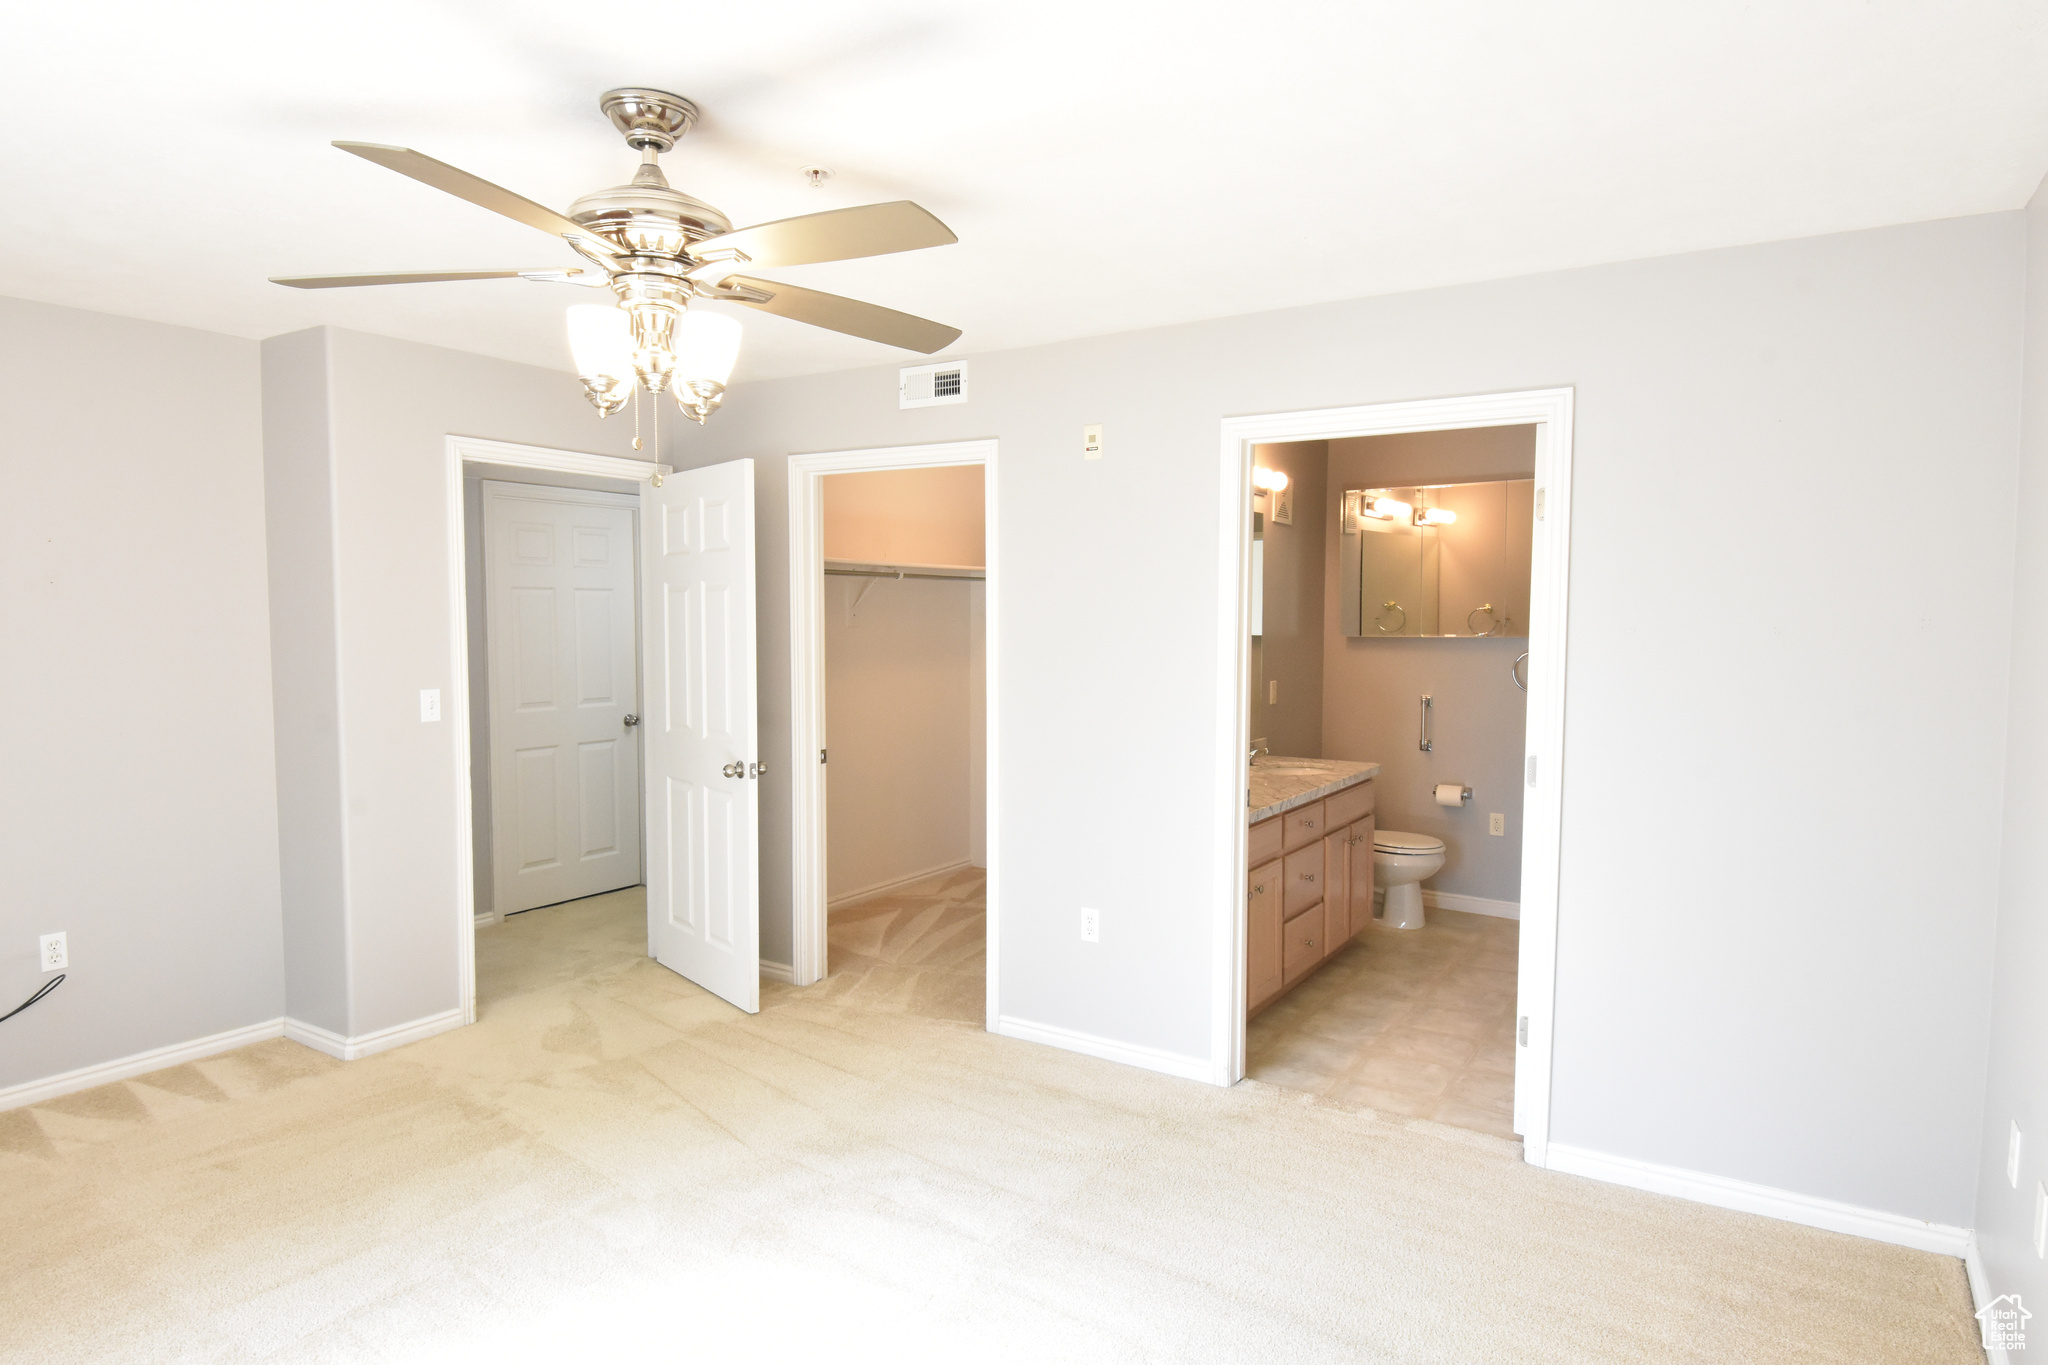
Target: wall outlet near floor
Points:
(53, 953)
(1091, 925)
(1496, 823)
(2012, 1157)
(430, 705)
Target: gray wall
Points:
(387, 408)
(2015, 1091)
(1290, 651)
(138, 812)
(1372, 688)
(1771, 965)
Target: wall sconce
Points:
(1268, 480)
(1435, 516)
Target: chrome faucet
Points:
(1253, 758)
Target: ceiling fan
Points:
(660, 250)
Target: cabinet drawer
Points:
(1303, 880)
(1304, 826)
(1263, 842)
(1302, 944)
(1353, 803)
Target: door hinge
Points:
(1522, 1031)
(821, 755)
(1539, 504)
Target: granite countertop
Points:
(1280, 784)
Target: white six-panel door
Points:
(564, 679)
(703, 777)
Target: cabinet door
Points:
(1301, 946)
(1262, 935)
(1303, 880)
(1336, 889)
(1360, 884)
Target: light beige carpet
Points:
(612, 1165)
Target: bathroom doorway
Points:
(892, 574)
(1395, 808)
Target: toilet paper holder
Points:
(1447, 791)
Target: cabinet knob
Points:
(1308, 942)
(1259, 890)
(1308, 876)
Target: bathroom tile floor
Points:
(1418, 1022)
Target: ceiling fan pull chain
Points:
(636, 414)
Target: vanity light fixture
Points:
(1386, 509)
(1269, 480)
(1435, 516)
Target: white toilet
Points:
(1401, 862)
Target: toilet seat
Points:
(1398, 841)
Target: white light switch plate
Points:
(430, 705)
(54, 953)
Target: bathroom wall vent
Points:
(926, 386)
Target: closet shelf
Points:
(861, 568)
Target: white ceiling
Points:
(1108, 165)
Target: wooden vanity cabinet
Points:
(1262, 953)
(1309, 892)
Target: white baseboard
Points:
(1722, 1192)
(1471, 905)
(778, 971)
(368, 1044)
(486, 918)
(1980, 1295)
(896, 884)
(139, 1064)
(1109, 1049)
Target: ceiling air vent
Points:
(924, 386)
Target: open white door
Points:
(703, 780)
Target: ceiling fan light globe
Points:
(707, 347)
(601, 342)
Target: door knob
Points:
(632, 720)
(734, 770)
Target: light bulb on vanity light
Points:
(1269, 480)
(1435, 516)
(601, 341)
(1387, 509)
(707, 347)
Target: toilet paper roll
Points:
(1451, 794)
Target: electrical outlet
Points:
(1091, 442)
(1091, 925)
(2040, 1219)
(55, 955)
(1496, 823)
(2012, 1157)
(430, 705)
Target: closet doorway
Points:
(892, 586)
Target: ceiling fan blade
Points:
(851, 316)
(422, 277)
(476, 190)
(835, 235)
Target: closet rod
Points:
(907, 573)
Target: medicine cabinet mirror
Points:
(1437, 561)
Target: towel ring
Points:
(1385, 607)
(1515, 670)
(1492, 621)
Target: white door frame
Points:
(459, 450)
(807, 682)
(1550, 411)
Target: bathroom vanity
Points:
(1309, 852)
